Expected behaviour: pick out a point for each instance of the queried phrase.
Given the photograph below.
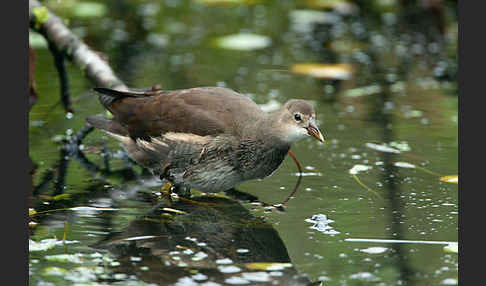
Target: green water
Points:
(172, 44)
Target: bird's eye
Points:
(297, 117)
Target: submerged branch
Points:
(60, 63)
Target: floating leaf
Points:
(229, 269)
(359, 168)
(224, 261)
(256, 276)
(243, 42)
(404, 165)
(48, 243)
(173, 211)
(139, 237)
(62, 197)
(267, 265)
(324, 71)
(365, 276)
(73, 258)
(199, 256)
(55, 271)
(452, 247)
(402, 146)
(453, 179)
(382, 148)
(374, 250)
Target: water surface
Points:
(402, 92)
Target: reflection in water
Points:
(205, 238)
(209, 238)
(391, 181)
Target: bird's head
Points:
(297, 120)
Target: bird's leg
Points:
(172, 190)
(166, 198)
(166, 189)
(181, 190)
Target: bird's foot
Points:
(180, 191)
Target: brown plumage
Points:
(207, 138)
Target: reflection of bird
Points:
(206, 138)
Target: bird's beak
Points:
(313, 131)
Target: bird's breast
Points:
(258, 160)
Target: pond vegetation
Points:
(377, 204)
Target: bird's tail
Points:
(108, 95)
(107, 124)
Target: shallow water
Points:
(401, 95)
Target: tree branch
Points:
(58, 35)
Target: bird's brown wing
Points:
(200, 111)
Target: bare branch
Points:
(58, 35)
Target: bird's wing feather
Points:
(200, 111)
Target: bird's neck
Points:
(268, 130)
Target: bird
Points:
(206, 138)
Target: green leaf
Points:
(41, 16)
(452, 247)
(32, 212)
(243, 42)
(453, 179)
(55, 271)
(267, 265)
(62, 197)
(324, 71)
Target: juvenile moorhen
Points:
(207, 138)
